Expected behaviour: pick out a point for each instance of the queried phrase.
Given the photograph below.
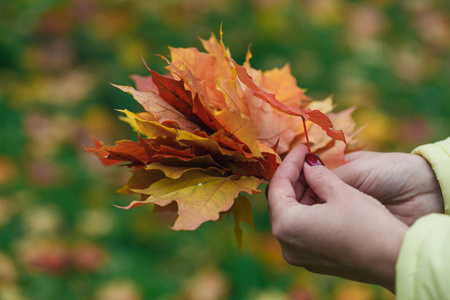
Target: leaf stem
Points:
(306, 134)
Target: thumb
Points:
(324, 183)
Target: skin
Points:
(349, 234)
(405, 183)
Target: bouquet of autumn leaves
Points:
(213, 131)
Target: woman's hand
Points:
(404, 183)
(349, 234)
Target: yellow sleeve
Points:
(423, 267)
(438, 155)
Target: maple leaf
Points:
(122, 151)
(200, 196)
(314, 116)
(242, 212)
(159, 108)
(144, 83)
(177, 171)
(212, 129)
(174, 93)
(141, 179)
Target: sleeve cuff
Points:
(438, 155)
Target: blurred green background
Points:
(60, 235)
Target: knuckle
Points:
(320, 178)
(298, 258)
(311, 268)
(279, 231)
(284, 230)
(291, 259)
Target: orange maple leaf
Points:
(213, 129)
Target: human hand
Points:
(404, 183)
(349, 234)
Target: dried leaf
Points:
(176, 171)
(213, 129)
(242, 212)
(200, 196)
(174, 93)
(315, 116)
(162, 110)
(141, 179)
(144, 83)
(122, 151)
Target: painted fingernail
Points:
(313, 159)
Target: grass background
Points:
(61, 237)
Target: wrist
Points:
(388, 270)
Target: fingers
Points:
(356, 171)
(357, 155)
(292, 165)
(284, 185)
(309, 197)
(350, 173)
(325, 184)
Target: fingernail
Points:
(313, 159)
